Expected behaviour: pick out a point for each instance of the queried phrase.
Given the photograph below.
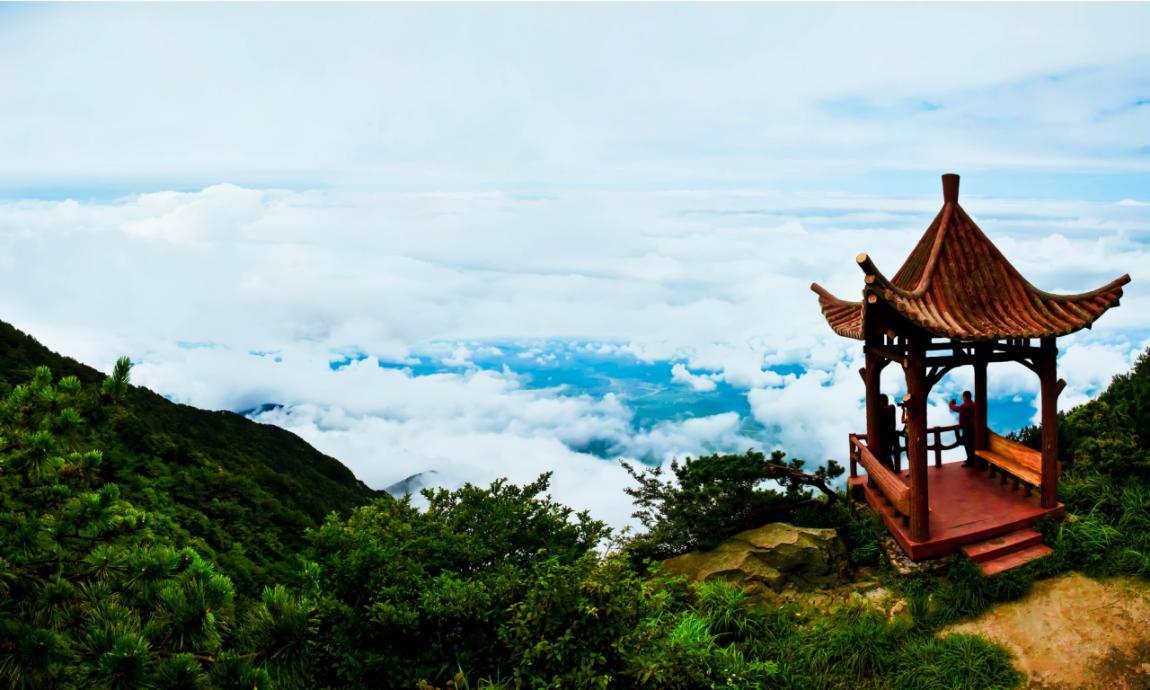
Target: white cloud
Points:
(387, 424)
(317, 277)
(691, 437)
(459, 357)
(812, 416)
(698, 382)
(1088, 369)
(193, 218)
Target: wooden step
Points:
(1014, 559)
(994, 547)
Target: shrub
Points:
(414, 595)
(713, 497)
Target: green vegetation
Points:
(521, 601)
(145, 544)
(1105, 449)
(408, 591)
(94, 590)
(240, 493)
(716, 496)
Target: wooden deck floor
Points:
(966, 505)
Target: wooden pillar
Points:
(981, 437)
(872, 376)
(917, 391)
(1047, 365)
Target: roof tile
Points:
(957, 284)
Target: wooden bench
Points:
(1013, 459)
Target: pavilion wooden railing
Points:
(889, 483)
(934, 444)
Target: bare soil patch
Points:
(1075, 632)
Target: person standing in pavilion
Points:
(966, 413)
(889, 448)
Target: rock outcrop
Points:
(770, 560)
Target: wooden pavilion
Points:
(956, 302)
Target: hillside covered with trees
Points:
(145, 544)
(241, 493)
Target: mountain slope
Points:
(241, 491)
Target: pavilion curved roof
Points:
(957, 284)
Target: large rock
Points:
(770, 559)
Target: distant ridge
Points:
(259, 409)
(409, 485)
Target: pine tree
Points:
(91, 594)
(115, 387)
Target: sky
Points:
(472, 241)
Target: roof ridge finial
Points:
(950, 188)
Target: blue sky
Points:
(540, 237)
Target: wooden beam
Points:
(1003, 346)
(935, 375)
(964, 360)
(892, 354)
(1017, 350)
(868, 267)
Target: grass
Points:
(953, 662)
(851, 646)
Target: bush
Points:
(713, 497)
(411, 595)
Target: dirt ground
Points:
(1075, 632)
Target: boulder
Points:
(770, 559)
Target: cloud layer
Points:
(232, 297)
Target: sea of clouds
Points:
(232, 298)
(472, 241)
